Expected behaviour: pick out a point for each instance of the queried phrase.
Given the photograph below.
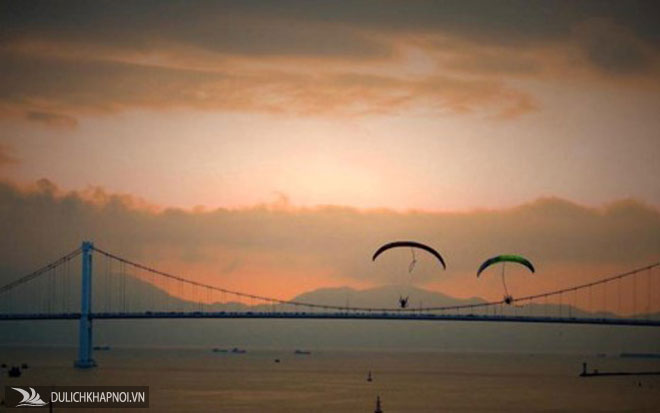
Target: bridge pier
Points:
(85, 359)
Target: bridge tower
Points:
(85, 359)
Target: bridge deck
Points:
(339, 316)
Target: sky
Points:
(416, 109)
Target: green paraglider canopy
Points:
(506, 258)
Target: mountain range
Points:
(329, 334)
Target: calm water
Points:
(185, 380)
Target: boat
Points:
(237, 350)
(14, 372)
(302, 352)
(220, 350)
(596, 373)
(369, 378)
(640, 355)
(102, 348)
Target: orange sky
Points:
(424, 106)
(404, 106)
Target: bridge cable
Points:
(348, 308)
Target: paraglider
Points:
(504, 259)
(403, 302)
(409, 244)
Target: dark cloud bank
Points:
(62, 60)
(42, 223)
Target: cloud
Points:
(221, 27)
(614, 49)
(320, 28)
(70, 86)
(52, 119)
(6, 156)
(268, 248)
(62, 60)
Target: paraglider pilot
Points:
(403, 302)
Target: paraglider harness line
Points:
(506, 290)
(411, 267)
(342, 308)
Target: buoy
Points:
(378, 409)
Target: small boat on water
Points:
(369, 378)
(102, 348)
(596, 373)
(235, 350)
(302, 352)
(640, 355)
(14, 372)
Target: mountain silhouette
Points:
(319, 334)
(382, 297)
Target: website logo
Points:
(30, 398)
(116, 397)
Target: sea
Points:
(200, 380)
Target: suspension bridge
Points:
(124, 289)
